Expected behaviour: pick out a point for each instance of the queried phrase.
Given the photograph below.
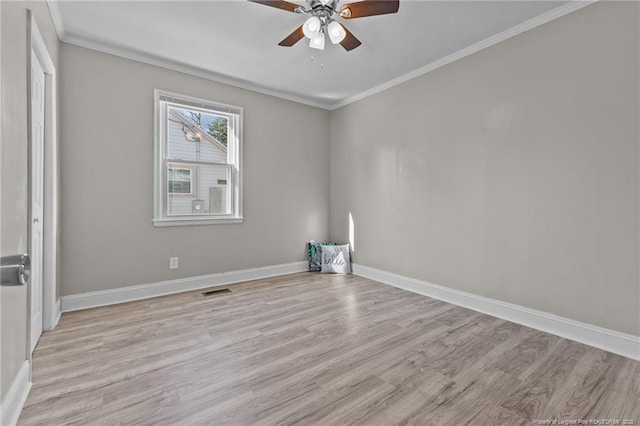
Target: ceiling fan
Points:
(322, 19)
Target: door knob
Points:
(36, 220)
(15, 270)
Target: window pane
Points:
(176, 187)
(182, 175)
(194, 135)
(210, 193)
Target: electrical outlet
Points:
(173, 263)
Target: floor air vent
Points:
(214, 292)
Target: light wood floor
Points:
(316, 349)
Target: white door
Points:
(37, 202)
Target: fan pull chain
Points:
(321, 61)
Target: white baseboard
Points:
(16, 396)
(94, 299)
(57, 313)
(609, 340)
(52, 317)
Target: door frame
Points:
(50, 303)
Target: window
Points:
(198, 161)
(179, 180)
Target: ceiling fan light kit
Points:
(321, 20)
(315, 31)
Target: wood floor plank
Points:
(596, 392)
(497, 416)
(531, 401)
(527, 355)
(493, 387)
(316, 349)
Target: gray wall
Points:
(107, 178)
(510, 174)
(13, 174)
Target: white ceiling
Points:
(236, 41)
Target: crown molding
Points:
(146, 58)
(54, 11)
(539, 20)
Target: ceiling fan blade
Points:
(279, 4)
(369, 8)
(292, 38)
(350, 41)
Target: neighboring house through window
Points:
(198, 161)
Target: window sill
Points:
(161, 223)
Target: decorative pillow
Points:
(335, 259)
(314, 255)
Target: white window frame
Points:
(234, 146)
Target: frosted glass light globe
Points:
(317, 42)
(311, 27)
(336, 32)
